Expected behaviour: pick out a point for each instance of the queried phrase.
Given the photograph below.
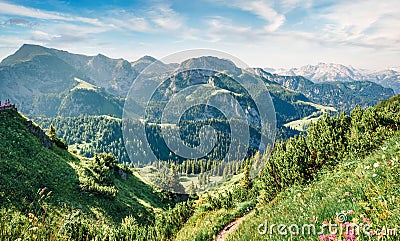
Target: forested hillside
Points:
(330, 144)
(51, 194)
(88, 135)
(344, 95)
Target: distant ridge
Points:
(42, 81)
(323, 72)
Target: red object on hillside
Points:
(7, 105)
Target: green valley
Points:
(48, 201)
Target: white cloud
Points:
(59, 26)
(273, 12)
(43, 36)
(220, 28)
(13, 41)
(362, 23)
(159, 18)
(262, 9)
(289, 5)
(19, 22)
(132, 23)
(366, 23)
(18, 10)
(336, 31)
(166, 18)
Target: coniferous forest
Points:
(329, 147)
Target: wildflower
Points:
(366, 220)
(325, 223)
(312, 219)
(354, 199)
(388, 162)
(327, 237)
(374, 175)
(350, 236)
(367, 167)
(350, 212)
(332, 237)
(376, 164)
(347, 194)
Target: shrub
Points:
(98, 178)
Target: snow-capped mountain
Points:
(323, 72)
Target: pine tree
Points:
(192, 189)
(52, 133)
(245, 182)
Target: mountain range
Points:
(323, 72)
(50, 82)
(49, 192)
(343, 95)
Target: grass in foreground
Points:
(360, 194)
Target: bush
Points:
(98, 178)
(52, 133)
(328, 141)
(60, 143)
(74, 227)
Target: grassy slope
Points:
(26, 166)
(203, 225)
(369, 187)
(304, 123)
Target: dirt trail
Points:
(229, 229)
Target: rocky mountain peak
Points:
(323, 72)
(25, 53)
(210, 63)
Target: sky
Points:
(270, 33)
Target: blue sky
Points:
(271, 33)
